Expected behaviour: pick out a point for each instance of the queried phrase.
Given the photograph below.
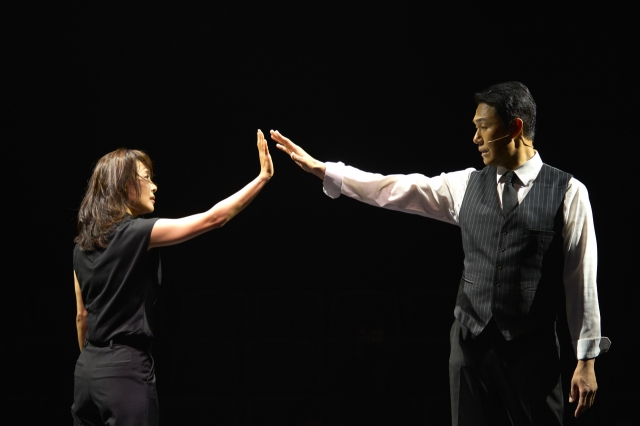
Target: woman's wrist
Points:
(264, 177)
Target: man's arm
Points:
(81, 315)
(439, 197)
(583, 313)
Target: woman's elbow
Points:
(220, 215)
(220, 220)
(81, 317)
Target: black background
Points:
(302, 307)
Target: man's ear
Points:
(515, 127)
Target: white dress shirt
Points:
(440, 198)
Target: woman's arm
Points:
(81, 315)
(167, 232)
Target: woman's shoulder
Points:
(134, 226)
(140, 222)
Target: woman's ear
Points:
(133, 192)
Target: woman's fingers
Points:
(267, 157)
(266, 164)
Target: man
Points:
(504, 363)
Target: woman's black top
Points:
(119, 285)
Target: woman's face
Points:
(145, 202)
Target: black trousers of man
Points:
(115, 385)
(495, 382)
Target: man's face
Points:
(493, 139)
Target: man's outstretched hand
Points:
(297, 154)
(583, 386)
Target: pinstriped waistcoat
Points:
(503, 265)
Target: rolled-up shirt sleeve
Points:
(438, 197)
(332, 183)
(580, 269)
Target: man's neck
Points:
(523, 151)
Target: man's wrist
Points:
(319, 169)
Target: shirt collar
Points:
(527, 172)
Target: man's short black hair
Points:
(511, 100)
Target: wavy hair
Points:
(106, 202)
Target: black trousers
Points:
(497, 382)
(116, 386)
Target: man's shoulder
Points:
(553, 174)
(554, 169)
(485, 171)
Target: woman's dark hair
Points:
(511, 100)
(106, 202)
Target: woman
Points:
(116, 273)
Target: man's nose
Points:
(477, 139)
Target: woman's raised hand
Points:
(167, 232)
(266, 164)
(298, 155)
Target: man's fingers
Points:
(585, 400)
(277, 136)
(578, 411)
(582, 402)
(288, 152)
(573, 391)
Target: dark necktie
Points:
(509, 196)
